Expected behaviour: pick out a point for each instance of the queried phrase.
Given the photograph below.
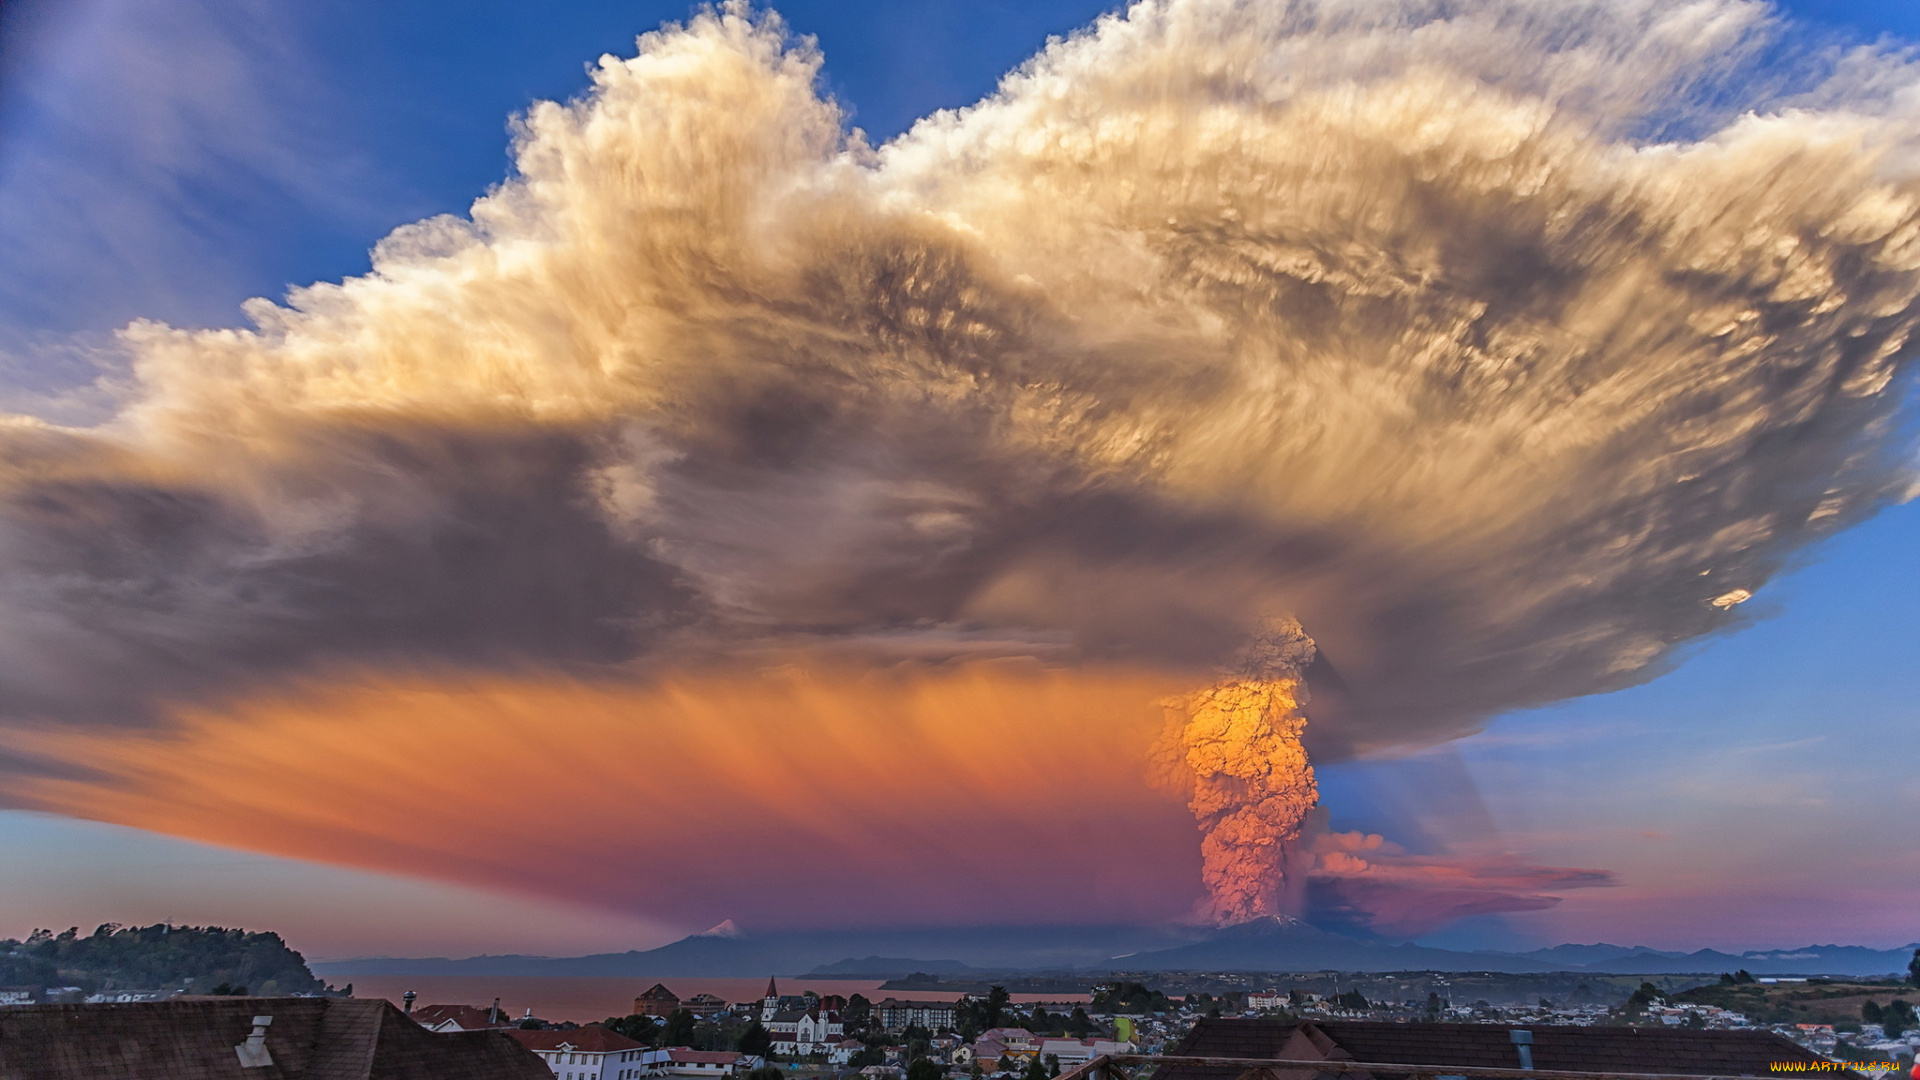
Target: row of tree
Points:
(157, 959)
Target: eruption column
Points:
(1251, 783)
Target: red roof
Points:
(704, 1057)
(470, 1018)
(592, 1039)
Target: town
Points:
(990, 1035)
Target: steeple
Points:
(771, 1004)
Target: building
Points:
(587, 1053)
(460, 1017)
(1272, 999)
(989, 1053)
(705, 1005)
(658, 1001)
(897, 1015)
(1071, 1052)
(679, 1061)
(1499, 1046)
(804, 1032)
(239, 1038)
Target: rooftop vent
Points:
(253, 1052)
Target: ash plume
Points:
(1507, 345)
(1235, 748)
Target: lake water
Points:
(583, 998)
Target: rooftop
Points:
(307, 1039)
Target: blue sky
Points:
(168, 159)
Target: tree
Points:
(1913, 968)
(679, 1029)
(1647, 995)
(925, 1068)
(1036, 1069)
(1897, 1018)
(764, 1072)
(1129, 997)
(755, 1039)
(872, 1055)
(1870, 1011)
(857, 1014)
(1079, 1023)
(1053, 1066)
(154, 958)
(636, 1027)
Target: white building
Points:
(587, 1053)
(804, 1032)
(897, 1015)
(1071, 1052)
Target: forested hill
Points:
(158, 958)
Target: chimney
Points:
(253, 1053)
(1523, 1042)
(493, 1014)
(408, 998)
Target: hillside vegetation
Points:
(158, 958)
(1840, 1002)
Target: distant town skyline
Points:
(169, 161)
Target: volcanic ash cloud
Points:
(1504, 344)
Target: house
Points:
(998, 1049)
(897, 1015)
(680, 1061)
(658, 1001)
(1013, 1038)
(841, 1053)
(460, 1017)
(704, 1005)
(987, 1052)
(1071, 1052)
(586, 1053)
(241, 1038)
(1544, 1047)
(803, 1032)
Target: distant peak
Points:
(725, 929)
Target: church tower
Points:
(771, 1004)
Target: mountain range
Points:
(1271, 944)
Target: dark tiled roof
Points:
(309, 1039)
(658, 993)
(1575, 1049)
(1606, 1049)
